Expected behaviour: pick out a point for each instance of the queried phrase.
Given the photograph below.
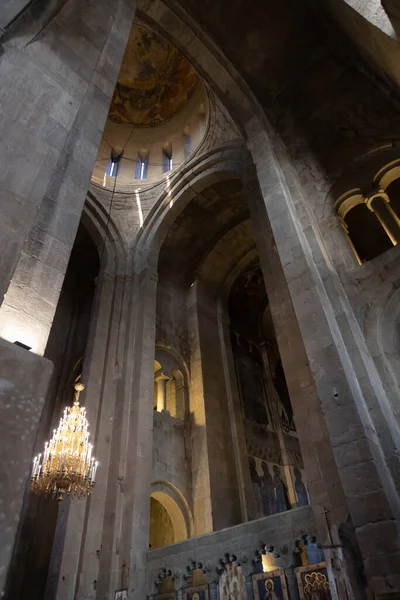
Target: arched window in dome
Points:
(113, 164)
(167, 158)
(142, 165)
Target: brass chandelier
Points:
(67, 465)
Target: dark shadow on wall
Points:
(324, 100)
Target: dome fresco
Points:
(154, 82)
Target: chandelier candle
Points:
(67, 465)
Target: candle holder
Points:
(67, 465)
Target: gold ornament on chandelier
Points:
(67, 465)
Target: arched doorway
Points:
(170, 521)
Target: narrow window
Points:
(142, 165)
(113, 164)
(167, 158)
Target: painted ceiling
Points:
(154, 81)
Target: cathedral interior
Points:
(200, 300)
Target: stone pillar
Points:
(379, 204)
(134, 515)
(161, 380)
(181, 397)
(57, 550)
(107, 537)
(215, 482)
(363, 482)
(273, 403)
(245, 486)
(24, 380)
(56, 89)
(202, 508)
(90, 540)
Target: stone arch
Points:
(170, 366)
(105, 234)
(177, 507)
(171, 361)
(207, 170)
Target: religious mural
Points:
(260, 373)
(232, 583)
(197, 593)
(313, 582)
(300, 488)
(270, 487)
(154, 81)
(250, 376)
(270, 586)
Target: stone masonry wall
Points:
(171, 462)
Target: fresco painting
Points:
(300, 487)
(154, 82)
(270, 487)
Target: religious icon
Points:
(300, 488)
(267, 491)
(121, 594)
(256, 481)
(232, 584)
(282, 497)
(313, 582)
(270, 586)
(196, 593)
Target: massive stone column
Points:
(56, 83)
(273, 404)
(139, 412)
(348, 391)
(216, 495)
(107, 536)
(57, 74)
(240, 452)
(200, 462)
